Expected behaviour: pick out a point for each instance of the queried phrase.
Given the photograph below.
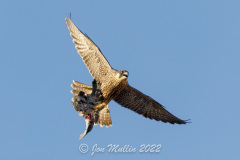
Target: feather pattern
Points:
(142, 104)
(96, 63)
(77, 87)
(104, 117)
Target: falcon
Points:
(114, 84)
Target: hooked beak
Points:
(125, 74)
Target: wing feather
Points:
(142, 104)
(77, 87)
(96, 63)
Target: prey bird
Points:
(87, 106)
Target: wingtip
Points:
(70, 15)
(183, 122)
(187, 121)
(66, 19)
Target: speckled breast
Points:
(112, 88)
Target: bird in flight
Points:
(114, 84)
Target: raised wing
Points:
(138, 102)
(96, 63)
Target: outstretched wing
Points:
(77, 87)
(104, 117)
(138, 102)
(96, 63)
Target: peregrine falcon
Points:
(114, 84)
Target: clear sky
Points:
(185, 54)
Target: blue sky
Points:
(184, 54)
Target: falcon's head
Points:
(123, 74)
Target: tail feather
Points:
(104, 117)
